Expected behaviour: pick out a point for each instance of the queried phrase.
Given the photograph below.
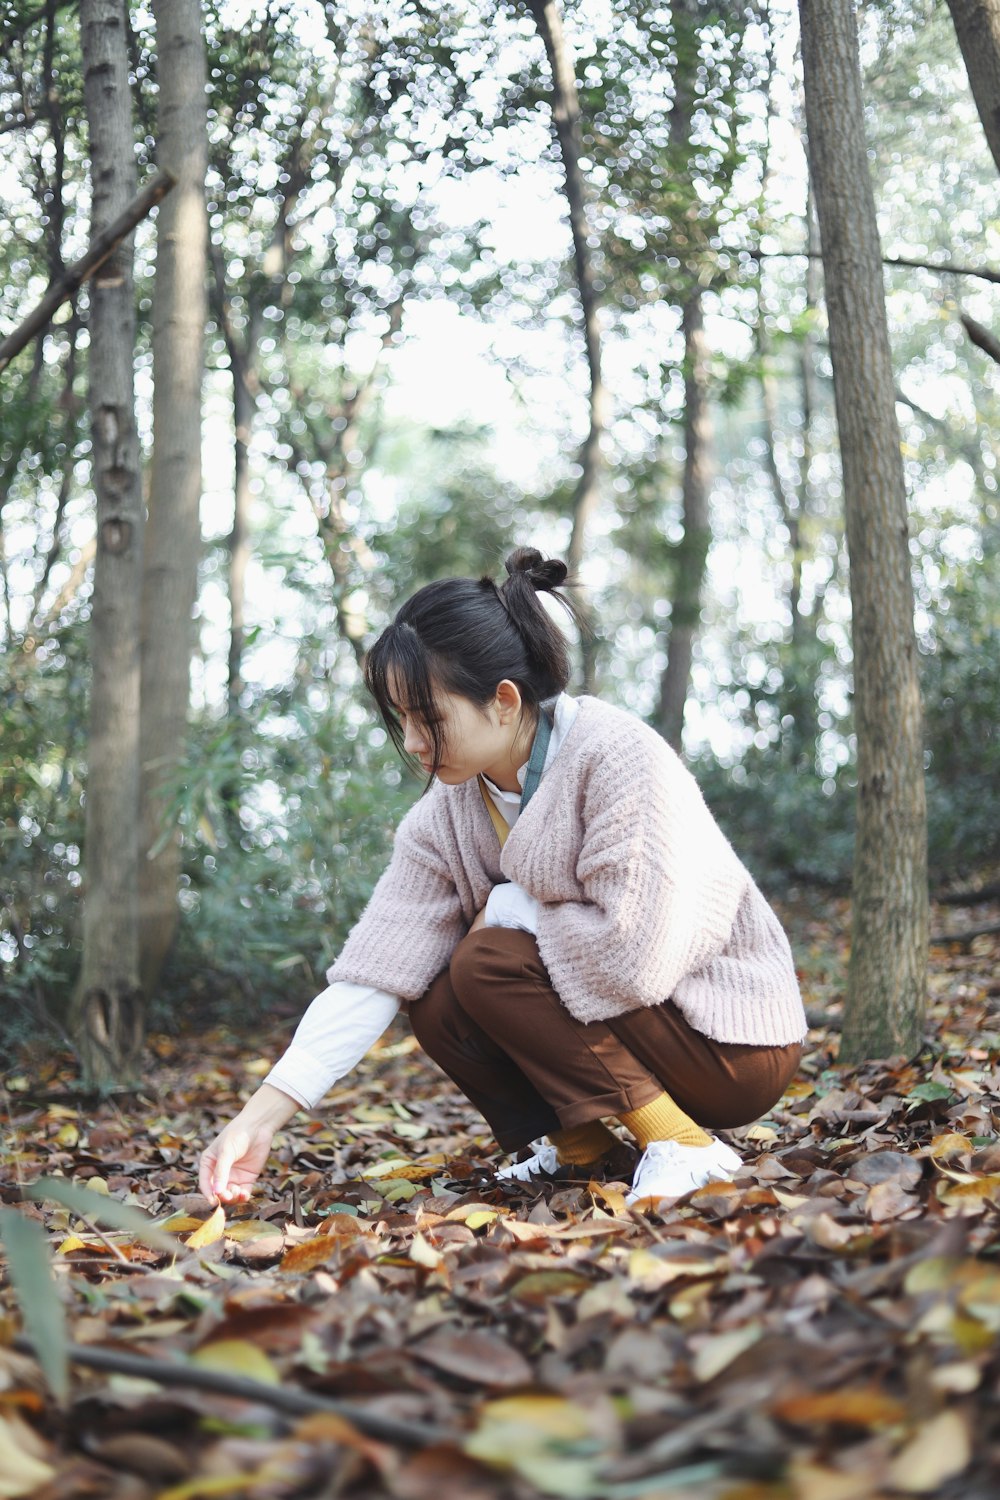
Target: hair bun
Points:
(543, 573)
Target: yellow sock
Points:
(663, 1120)
(581, 1144)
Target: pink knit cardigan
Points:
(641, 896)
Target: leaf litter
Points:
(385, 1319)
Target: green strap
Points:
(533, 775)
(539, 750)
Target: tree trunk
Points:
(173, 537)
(977, 25)
(107, 1010)
(888, 967)
(239, 536)
(566, 118)
(691, 552)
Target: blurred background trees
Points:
(398, 382)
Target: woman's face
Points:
(487, 740)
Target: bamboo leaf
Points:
(103, 1210)
(41, 1309)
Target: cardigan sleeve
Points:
(408, 931)
(659, 885)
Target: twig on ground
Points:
(294, 1403)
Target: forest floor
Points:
(825, 1327)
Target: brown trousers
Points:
(495, 1025)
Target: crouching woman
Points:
(575, 939)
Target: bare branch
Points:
(103, 246)
(982, 337)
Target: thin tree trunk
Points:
(888, 967)
(691, 552)
(173, 537)
(239, 536)
(566, 118)
(107, 1011)
(977, 26)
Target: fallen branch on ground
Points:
(294, 1403)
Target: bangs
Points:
(398, 675)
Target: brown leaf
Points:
(860, 1406)
(885, 1166)
(887, 1200)
(141, 1453)
(478, 1356)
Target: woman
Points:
(610, 959)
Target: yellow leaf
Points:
(96, 1185)
(74, 1242)
(481, 1218)
(940, 1451)
(549, 1417)
(392, 1168)
(209, 1232)
(464, 1210)
(68, 1135)
(242, 1230)
(237, 1357)
(204, 1489)
(951, 1144)
(612, 1197)
(181, 1223)
(653, 1271)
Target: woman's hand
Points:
(232, 1163)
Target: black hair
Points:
(466, 635)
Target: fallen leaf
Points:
(864, 1406)
(720, 1349)
(482, 1358)
(22, 1472)
(209, 1232)
(939, 1451)
(237, 1357)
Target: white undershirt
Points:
(344, 1021)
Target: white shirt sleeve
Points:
(333, 1036)
(509, 905)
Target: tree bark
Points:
(977, 26)
(107, 1010)
(691, 553)
(173, 536)
(888, 966)
(566, 118)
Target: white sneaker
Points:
(669, 1170)
(545, 1160)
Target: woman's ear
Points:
(508, 701)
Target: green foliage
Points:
(27, 1253)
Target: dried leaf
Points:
(237, 1357)
(720, 1349)
(864, 1406)
(477, 1356)
(939, 1451)
(22, 1472)
(209, 1232)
